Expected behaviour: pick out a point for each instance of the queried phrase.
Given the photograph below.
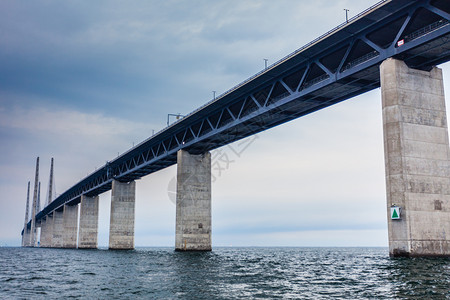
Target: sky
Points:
(83, 81)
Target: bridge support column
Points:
(88, 235)
(24, 237)
(70, 221)
(44, 233)
(27, 237)
(121, 228)
(57, 238)
(417, 158)
(193, 216)
(47, 232)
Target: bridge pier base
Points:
(417, 159)
(57, 225)
(121, 228)
(193, 211)
(70, 221)
(88, 235)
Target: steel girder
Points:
(337, 66)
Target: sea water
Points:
(224, 273)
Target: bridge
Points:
(394, 44)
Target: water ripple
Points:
(225, 273)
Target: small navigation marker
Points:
(395, 212)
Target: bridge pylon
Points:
(26, 232)
(33, 236)
(47, 221)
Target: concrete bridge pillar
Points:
(70, 228)
(57, 229)
(24, 237)
(193, 212)
(417, 159)
(43, 238)
(121, 228)
(27, 237)
(88, 232)
(47, 232)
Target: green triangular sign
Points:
(394, 214)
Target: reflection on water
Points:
(225, 273)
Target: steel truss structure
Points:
(337, 66)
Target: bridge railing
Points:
(360, 60)
(427, 29)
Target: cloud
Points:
(64, 122)
(79, 142)
(141, 58)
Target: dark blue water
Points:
(225, 273)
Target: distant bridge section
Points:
(343, 63)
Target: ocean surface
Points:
(224, 273)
